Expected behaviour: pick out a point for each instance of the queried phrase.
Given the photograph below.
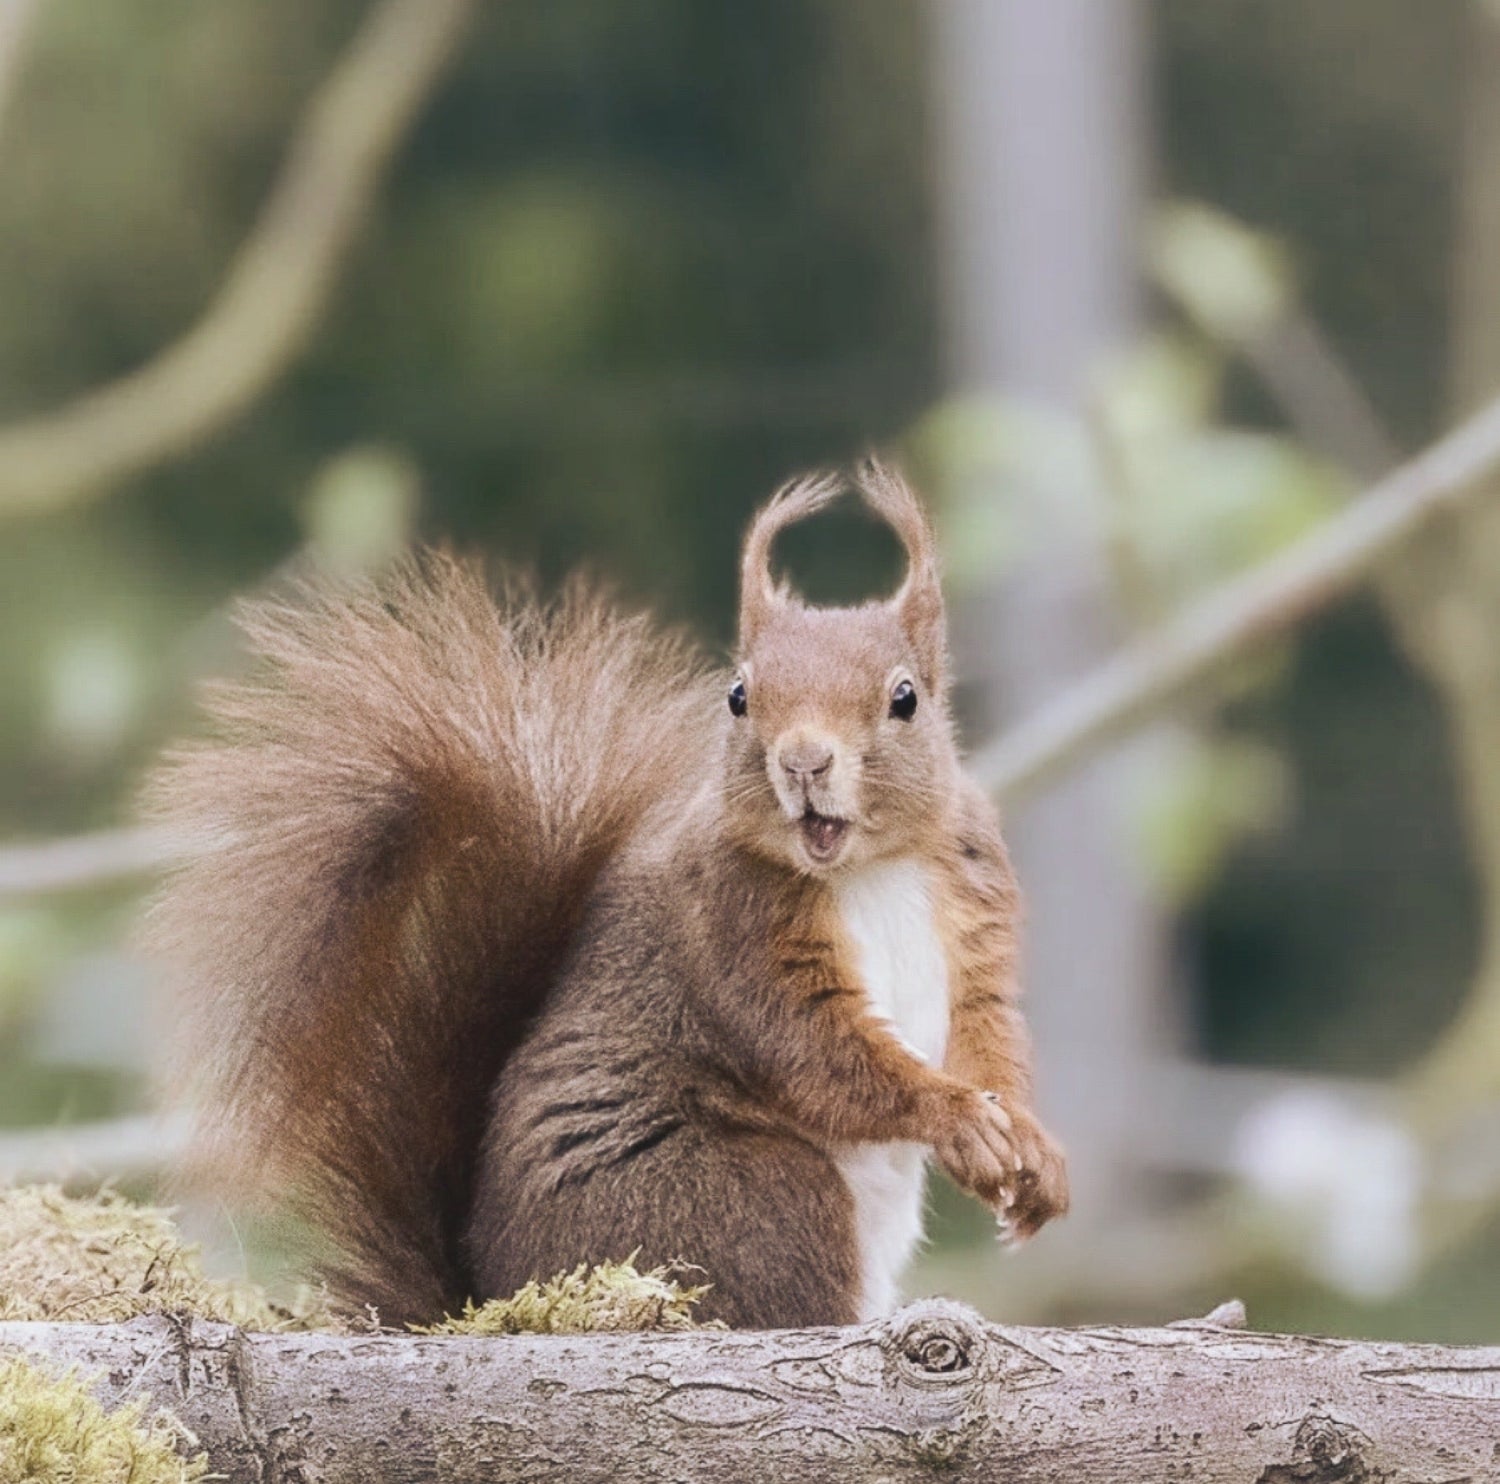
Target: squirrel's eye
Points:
(739, 703)
(903, 701)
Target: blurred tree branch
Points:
(1237, 286)
(81, 861)
(130, 1148)
(1268, 601)
(275, 290)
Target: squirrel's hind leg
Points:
(764, 1217)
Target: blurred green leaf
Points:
(93, 688)
(1233, 281)
(1200, 797)
(1208, 504)
(534, 260)
(33, 946)
(362, 509)
(1164, 384)
(1008, 473)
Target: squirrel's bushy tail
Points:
(390, 836)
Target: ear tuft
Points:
(794, 501)
(919, 600)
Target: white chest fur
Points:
(887, 913)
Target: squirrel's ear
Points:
(759, 593)
(919, 600)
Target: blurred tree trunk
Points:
(1043, 130)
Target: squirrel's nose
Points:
(806, 758)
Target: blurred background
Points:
(1144, 295)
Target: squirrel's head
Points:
(840, 748)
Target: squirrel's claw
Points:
(976, 1148)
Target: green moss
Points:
(104, 1259)
(54, 1431)
(611, 1296)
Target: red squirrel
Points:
(513, 936)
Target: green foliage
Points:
(54, 1431)
(32, 946)
(1202, 798)
(1236, 282)
(1179, 499)
(360, 511)
(1010, 473)
(1173, 501)
(1192, 499)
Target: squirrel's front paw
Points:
(974, 1146)
(1038, 1189)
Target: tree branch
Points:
(134, 1147)
(80, 861)
(934, 1391)
(276, 288)
(1263, 604)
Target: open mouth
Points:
(823, 837)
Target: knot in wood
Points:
(936, 1341)
(939, 1353)
(1325, 1451)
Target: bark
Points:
(932, 1392)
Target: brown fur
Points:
(513, 949)
(988, 1044)
(397, 827)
